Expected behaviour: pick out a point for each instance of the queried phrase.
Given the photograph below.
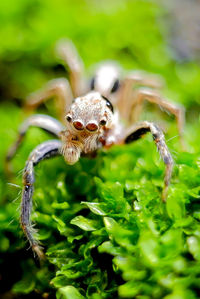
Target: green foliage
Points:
(105, 231)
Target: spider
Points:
(92, 121)
(127, 91)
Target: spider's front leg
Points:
(137, 131)
(45, 150)
(45, 122)
(56, 88)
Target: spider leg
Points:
(129, 83)
(154, 97)
(44, 122)
(45, 150)
(58, 88)
(141, 128)
(135, 105)
(67, 52)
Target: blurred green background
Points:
(129, 245)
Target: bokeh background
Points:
(160, 37)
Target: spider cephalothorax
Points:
(90, 121)
(87, 120)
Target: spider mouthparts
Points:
(71, 154)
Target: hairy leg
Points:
(56, 88)
(137, 131)
(45, 122)
(45, 150)
(154, 97)
(134, 80)
(66, 51)
(135, 106)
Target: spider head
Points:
(90, 114)
(106, 78)
(87, 119)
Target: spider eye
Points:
(103, 122)
(108, 104)
(115, 86)
(92, 127)
(69, 118)
(78, 125)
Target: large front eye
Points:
(78, 125)
(92, 127)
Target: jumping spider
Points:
(91, 121)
